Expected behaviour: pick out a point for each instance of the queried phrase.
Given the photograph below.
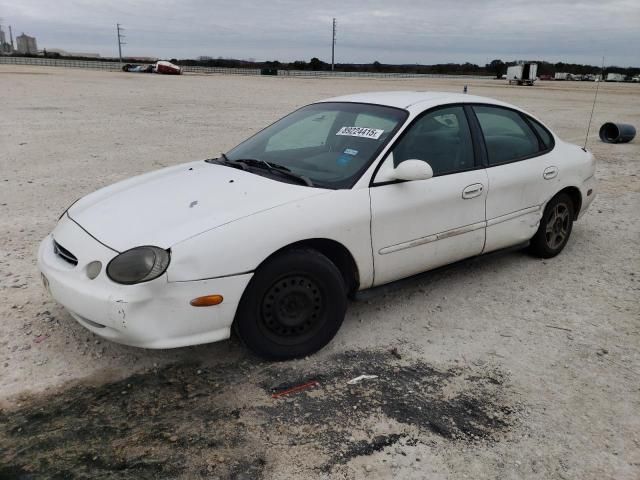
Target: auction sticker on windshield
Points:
(361, 132)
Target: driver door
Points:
(423, 224)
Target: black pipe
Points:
(617, 132)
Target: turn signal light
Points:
(206, 301)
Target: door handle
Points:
(472, 191)
(550, 172)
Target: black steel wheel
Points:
(555, 227)
(293, 306)
(292, 309)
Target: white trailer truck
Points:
(615, 77)
(524, 74)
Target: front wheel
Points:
(555, 227)
(293, 306)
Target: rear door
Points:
(521, 171)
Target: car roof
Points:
(408, 99)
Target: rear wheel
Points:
(293, 306)
(555, 227)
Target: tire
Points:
(293, 306)
(555, 227)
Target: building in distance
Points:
(5, 47)
(27, 44)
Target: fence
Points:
(224, 71)
(311, 73)
(58, 62)
(115, 66)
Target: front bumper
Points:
(155, 314)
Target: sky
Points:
(388, 31)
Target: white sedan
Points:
(339, 196)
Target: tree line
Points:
(496, 68)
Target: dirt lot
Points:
(502, 366)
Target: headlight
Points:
(138, 265)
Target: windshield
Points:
(331, 144)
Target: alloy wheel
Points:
(558, 224)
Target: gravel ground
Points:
(502, 366)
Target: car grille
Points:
(64, 254)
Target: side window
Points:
(506, 134)
(543, 133)
(307, 133)
(441, 138)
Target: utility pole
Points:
(333, 45)
(120, 42)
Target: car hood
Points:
(167, 206)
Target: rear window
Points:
(543, 133)
(507, 136)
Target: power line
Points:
(119, 29)
(333, 44)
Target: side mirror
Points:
(412, 170)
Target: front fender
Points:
(238, 247)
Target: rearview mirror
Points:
(412, 170)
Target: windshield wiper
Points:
(273, 167)
(224, 160)
(245, 163)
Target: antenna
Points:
(586, 138)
